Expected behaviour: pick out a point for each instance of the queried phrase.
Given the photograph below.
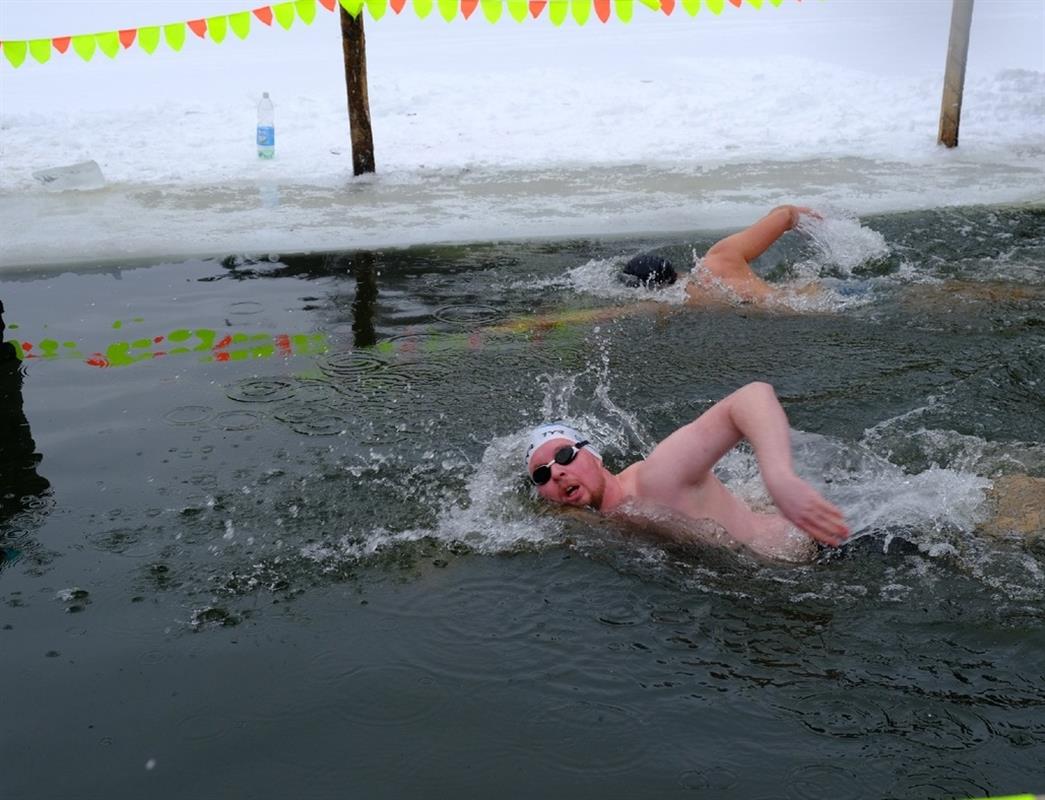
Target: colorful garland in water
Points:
(205, 342)
(216, 28)
(215, 346)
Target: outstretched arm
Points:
(752, 412)
(750, 243)
(728, 259)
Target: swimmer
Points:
(726, 267)
(725, 275)
(675, 490)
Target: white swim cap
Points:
(554, 430)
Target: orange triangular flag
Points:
(61, 43)
(328, 4)
(602, 9)
(736, 2)
(264, 14)
(127, 37)
(467, 7)
(667, 6)
(536, 7)
(198, 26)
(397, 5)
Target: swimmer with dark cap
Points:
(675, 485)
(725, 274)
(726, 266)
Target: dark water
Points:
(264, 532)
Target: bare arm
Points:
(753, 412)
(727, 260)
(750, 243)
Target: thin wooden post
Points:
(954, 76)
(353, 45)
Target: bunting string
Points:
(217, 28)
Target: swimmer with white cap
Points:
(676, 479)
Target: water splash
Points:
(842, 244)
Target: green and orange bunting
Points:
(283, 15)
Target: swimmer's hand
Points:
(808, 509)
(795, 213)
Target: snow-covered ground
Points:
(509, 130)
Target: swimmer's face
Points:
(579, 483)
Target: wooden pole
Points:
(954, 76)
(353, 45)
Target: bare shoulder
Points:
(630, 479)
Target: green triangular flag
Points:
(175, 35)
(714, 6)
(284, 13)
(624, 10)
(654, 5)
(306, 10)
(517, 8)
(40, 49)
(581, 10)
(558, 9)
(377, 8)
(15, 53)
(148, 38)
(240, 24)
(448, 9)
(691, 6)
(756, 3)
(353, 7)
(217, 27)
(109, 43)
(491, 9)
(422, 8)
(776, 2)
(84, 45)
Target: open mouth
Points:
(571, 490)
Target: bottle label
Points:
(266, 136)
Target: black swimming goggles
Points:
(563, 456)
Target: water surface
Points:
(264, 528)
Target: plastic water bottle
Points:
(266, 128)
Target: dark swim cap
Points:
(647, 271)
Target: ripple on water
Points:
(236, 420)
(188, 415)
(467, 315)
(708, 779)
(422, 371)
(620, 610)
(938, 781)
(478, 625)
(144, 542)
(243, 308)
(350, 363)
(839, 781)
(840, 714)
(313, 419)
(589, 738)
(939, 727)
(262, 390)
(386, 695)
